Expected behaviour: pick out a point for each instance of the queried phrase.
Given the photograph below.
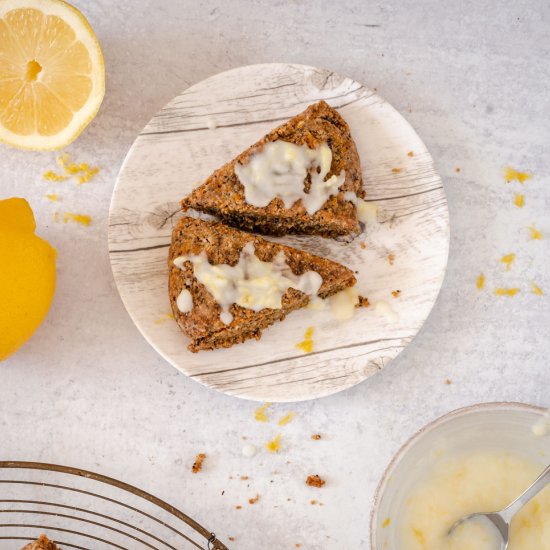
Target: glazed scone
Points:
(248, 283)
(302, 177)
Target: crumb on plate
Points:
(253, 500)
(391, 258)
(362, 301)
(395, 293)
(397, 170)
(197, 465)
(316, 437)
(315, 481)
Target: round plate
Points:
(406, 249)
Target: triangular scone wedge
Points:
(223, 194)
(202, 315)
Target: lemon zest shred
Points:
(307, 344)
(386, 522)
(274, 446)
(287, 418)
(260, 413)
(54, 197)
(519, 200)
(506, 291)
(50, 175)
(510, 174)
(537, 290)
(508, 259)
(480, 281)
(82, 219)
(536, 234)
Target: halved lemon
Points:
(52, 75)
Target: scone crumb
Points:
(313, 502)
(396, 170)
(448, 381)
(362, 301)
(363, 245)
(231, 539)
(316, 437)
(410, 154)
(238, 506)
(391, 258)
(315, 481)
(244, 478)
(457, 169)
(395, 293)
(253, 500)
(197, 465)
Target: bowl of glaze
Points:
(491, 427)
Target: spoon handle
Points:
(538, 485)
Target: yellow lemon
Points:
(27, 275)
(52, 75)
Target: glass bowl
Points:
(84, 510)
(488, 426)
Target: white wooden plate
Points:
(209, 124)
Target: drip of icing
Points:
(184, 301)
(342, 305)
(280, 170)
(366, 211)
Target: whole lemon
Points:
(27, 275)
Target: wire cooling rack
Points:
(88, 511)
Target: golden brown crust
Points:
(222, 194)
(223, 244)
(42, 543)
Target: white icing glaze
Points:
(184, 301)
(366, 211)
(249, 450)
(386, 310)
(250, 283)
(280, 170)
(342, 305)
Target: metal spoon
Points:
(502, 520)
